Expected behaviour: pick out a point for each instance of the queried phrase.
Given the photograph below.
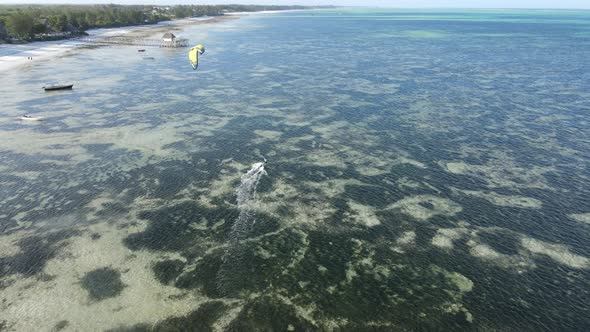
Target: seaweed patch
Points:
(102, 283)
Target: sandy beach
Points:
(17, 55)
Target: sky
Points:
(581, 4)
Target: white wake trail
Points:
(229, 277)
(246, 192)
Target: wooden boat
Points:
(141, 50)
(58, 87)
(31, 118)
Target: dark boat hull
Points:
(58, 87)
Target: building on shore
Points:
(170, 40)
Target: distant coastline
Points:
(32, 23)
(28, 53)
(19, 55)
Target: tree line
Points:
(26, 21)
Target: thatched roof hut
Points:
(168, 37)
(170, 40)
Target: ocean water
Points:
(427, 170)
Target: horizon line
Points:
(310, 6)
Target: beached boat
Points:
(58, 87)
(31, 118)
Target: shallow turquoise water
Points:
(427, 170)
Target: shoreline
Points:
(13, 56)
(265, 12)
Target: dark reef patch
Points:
(502, 241)
(367, 284)
(269, 314)
(173, 178)
(62, 324)
(98, 149)
(102, 283)
(369, 195)
(204, 275)
(35, 251)
(200, 320)
(112, 208)
(167, 271)
(308, 172)
(263, 224)
(252, 266)
(495, 288)
(171, 228)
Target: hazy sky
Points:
(585, 4)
